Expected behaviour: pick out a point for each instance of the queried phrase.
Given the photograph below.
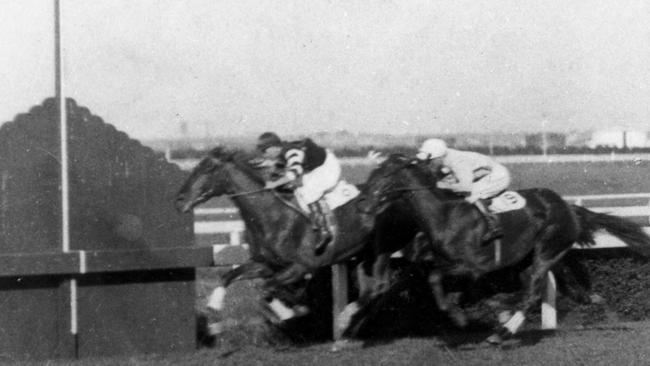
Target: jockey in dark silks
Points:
(474, 175)
(315, 170)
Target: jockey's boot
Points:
(320, 226)
(493, 230)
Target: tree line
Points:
(362, 151)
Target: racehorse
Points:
(280, 233)
(545, 228)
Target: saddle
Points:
(321, 213)
(338, 196)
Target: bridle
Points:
(383, 194)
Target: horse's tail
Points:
(629, 232)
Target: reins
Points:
(247, 193)
(275, 193)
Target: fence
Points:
(224, 227)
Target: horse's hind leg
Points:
(282, 280)
(215, 303)
(541, 266)
(371, 287)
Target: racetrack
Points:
(610, 344)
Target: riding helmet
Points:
(268, 139)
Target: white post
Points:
(235, 237)
(549, 311)
(339, 294)
(544, 138)
(63, 140)
(63, 123)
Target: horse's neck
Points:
(427, 202)
(258, 208)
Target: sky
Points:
(238, 67)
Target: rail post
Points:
(549, 311)
(339, 295)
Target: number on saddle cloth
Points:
(507, 201)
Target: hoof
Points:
(268, 314)
(216, 299)
(494, 339)
(345, 344)
(345, 317)
(301, 310)
(596, 299)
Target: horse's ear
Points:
(217, 154)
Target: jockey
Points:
(315, 170)
(475, 175)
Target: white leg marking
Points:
(216, 299)
(281, 310)
(515, 322)
(504, 316)
(346, 315)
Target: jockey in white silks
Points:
(315, 170)
(474, 175)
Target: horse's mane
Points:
(396, 161)
(240, 158)
(419, 170)
(387, 167)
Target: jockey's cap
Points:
(268, 139)
(432, 148)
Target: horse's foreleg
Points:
(371, 287)
(247, 270)
(444, 302)
(288, 276)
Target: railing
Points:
(225, 231)
(639, 214)
(225, 220)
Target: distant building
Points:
(619, 138)
(552, 139)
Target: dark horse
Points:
(280, 234)
(546, 228)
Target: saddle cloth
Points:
(507, 201)
(341, 194)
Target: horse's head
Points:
(396, 176)
(384, 183)
(213, 177)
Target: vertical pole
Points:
(65, 185)
(544, 138)
(339, 294)
(63, 123)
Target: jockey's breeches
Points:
(320, 180)
(490, 185)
